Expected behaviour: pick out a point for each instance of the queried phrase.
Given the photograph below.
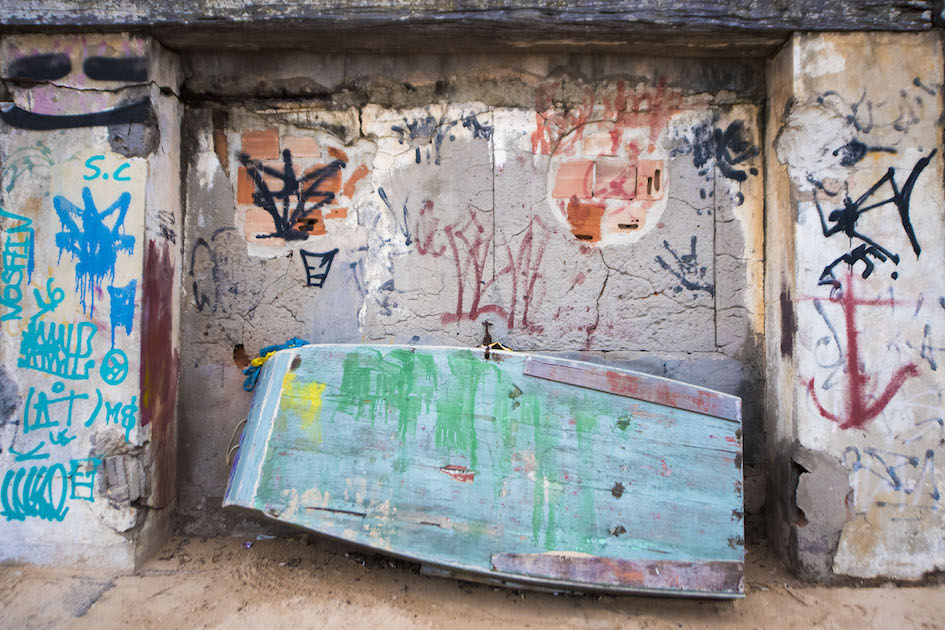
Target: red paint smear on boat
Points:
(459, 473)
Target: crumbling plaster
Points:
(855, 306)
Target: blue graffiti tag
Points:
(95, 245)
(123, 415)
(17, 258)
(122, 307)
(83, 478)
(39, 492)
(41, 418)
(30, 454)
(114, 368)
(58, 349)
(62, 350)
(96, 171)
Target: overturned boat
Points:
(514, 468)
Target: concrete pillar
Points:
(855, 299)
(89, 306)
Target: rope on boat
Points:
(252, 372)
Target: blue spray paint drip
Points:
(95, 246)
(122, 307)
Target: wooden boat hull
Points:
(516, 468)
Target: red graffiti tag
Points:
(472, 245)
(860, 410)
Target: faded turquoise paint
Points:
(586, 425)
(456, 409)
(449, 458)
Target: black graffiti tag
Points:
(844, 220)
(688, 271)
(306, 192)
(317, 265)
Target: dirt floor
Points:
(305, 582)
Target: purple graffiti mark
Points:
(95, 246)
(845, 219)
(860, 410)
(825, 341)
(122, 307)
(308, 192)
(401, 226)
(928, 350)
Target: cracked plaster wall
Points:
(856, 311)
(608, 208)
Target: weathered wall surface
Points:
(856, 325)
(89, 207)
(602, 206)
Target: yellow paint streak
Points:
(305, 399)
(260, 360)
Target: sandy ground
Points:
(220, 583)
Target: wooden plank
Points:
(639, 386)
(669, 576)
(446, 457)
(545, 16)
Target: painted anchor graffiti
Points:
(861, 405)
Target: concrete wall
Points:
(606, 207)
(856, 313)
(89, 302)
(602, 207)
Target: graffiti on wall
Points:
(62, 291)
(427, 133)
(474, 249)
(290, 186)
(863, 400)
(866, 174)
(98, 71)
(607, 177)
(844, 220)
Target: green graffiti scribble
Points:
(403, 382)
(586, 425)
(24, 160)
(547, 491)
(456, 409)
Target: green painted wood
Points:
(455, 460)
